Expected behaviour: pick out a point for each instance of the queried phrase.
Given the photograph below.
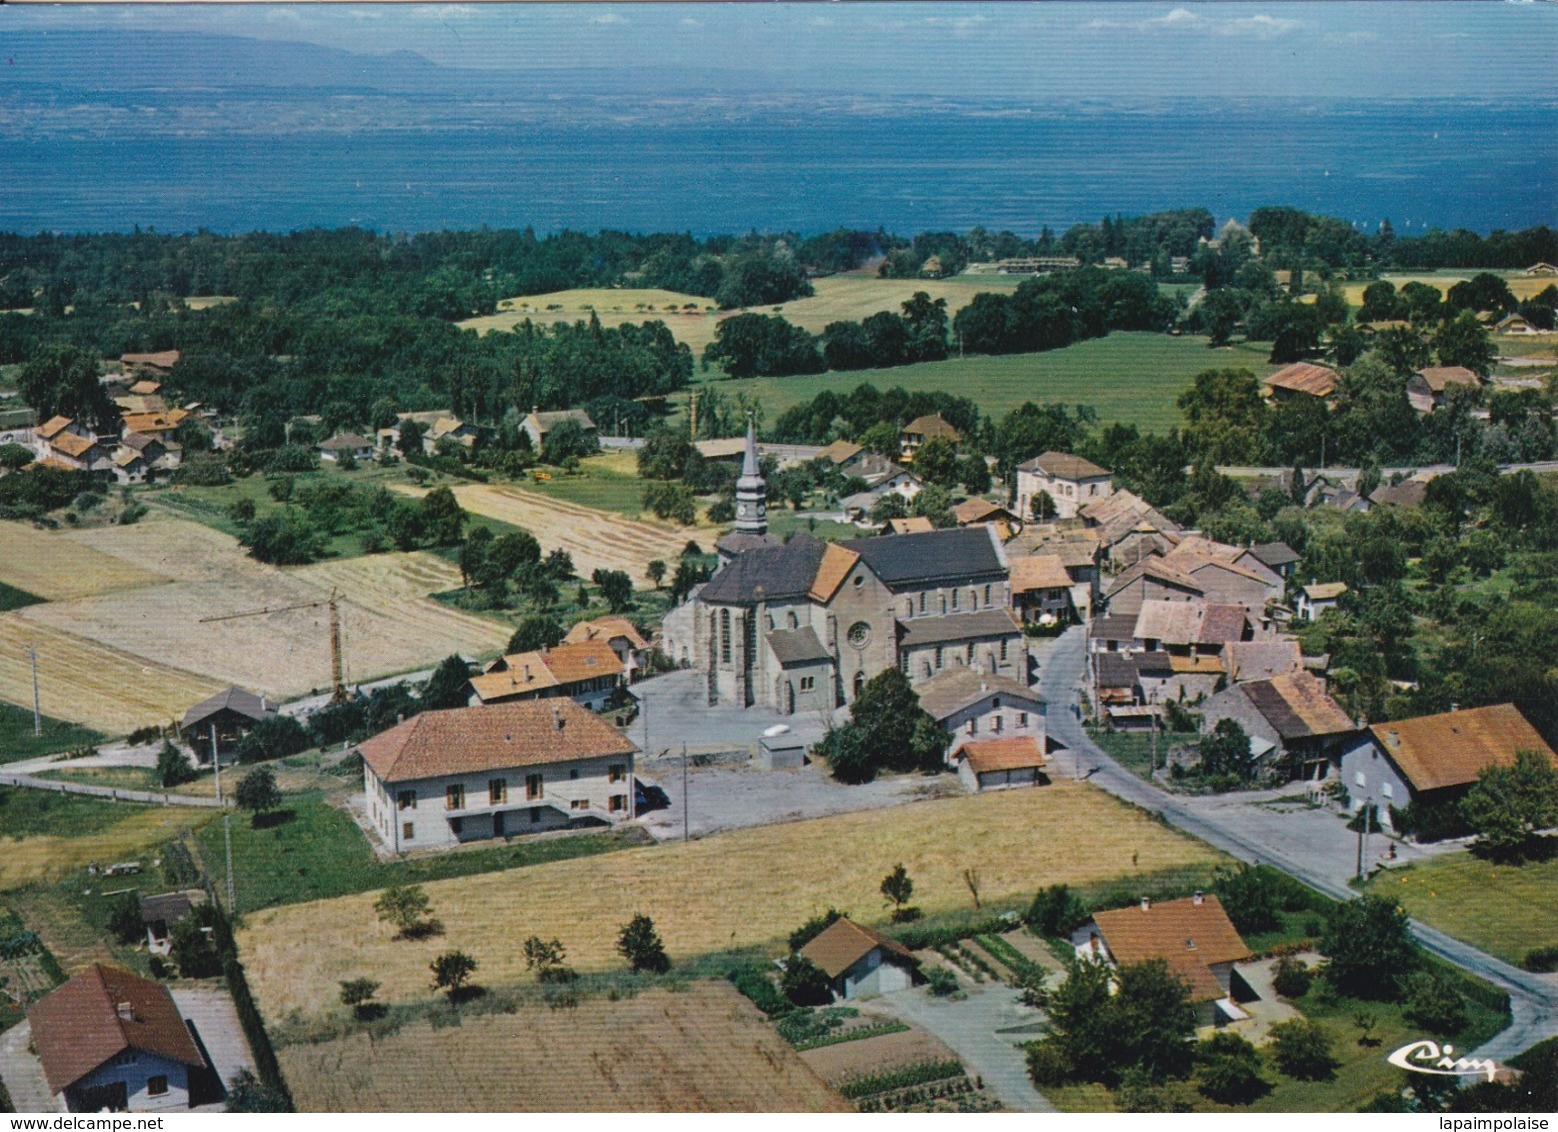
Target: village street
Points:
(1311, 845)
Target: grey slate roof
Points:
(1275, 554)
(739, 542)
(1116, 670)
(782, 571)
(797, 646)
(1113, 627)
(953, 689)
(1158, 661)
(918, 631)
(170, 908)
(930, 557)
(232, 699)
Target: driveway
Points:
(1308, 844)
(971, 1028)
(23, 1073)
(215, 1019)
(674, 709)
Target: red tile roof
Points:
(1191, 937)
(1449, 749)
(1014, 752)
(1301, 377)
(843, 943)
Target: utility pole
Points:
(1154, 721)
(37, 715)
(227, 818)
(1358, 871)
(686, 801)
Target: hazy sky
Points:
(1398, 48)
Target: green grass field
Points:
(1505, 910)
(608, 482)
(1133, 378)
(18, 742)
(320, 853)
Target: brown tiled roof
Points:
(840, 451)
(1301, 377)
(162, 359)
(843, 943)
(54, 462)
(1297, 706)
(1325, 591)
(154, 422)
(145, 388)
(1184, 933)
(1014, 752)
(932, 426)
(913, 525)
(567, 663)
(979, 511)
(1435, 751)
(139, 442)
(1063, 465)
(471, 740)
(1204, 665)
(955, 688)
(80, 1025)
(1172, 622)
(835, 566)
(346, 441)
(1039, 572)
(1407, 493)
(73, 445)
(53, 425)
(1441, 377)
(1261, 660)
(127, 456)
(1154, 568)
(606, 629)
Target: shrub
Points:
(1541, 959)
(1047, 1063)
(452, 972)
(1228, 1070)
(754, 981)
(406, 907)
(941, 982)
(804, 983)
(640, 945)
(1434, 1003)
(1300, 1048)
(1292, 977)
(1056, 912)
(173, 766)
(124, 918)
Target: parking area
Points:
(674, 709)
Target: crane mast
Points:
(333, 603)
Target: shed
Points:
(858, 960)
(781, 752)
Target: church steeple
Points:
(751, 491)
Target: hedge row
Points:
(265, 1063)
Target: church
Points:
(801, 625)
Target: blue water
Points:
(1418, 164)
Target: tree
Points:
(1152, 1018)
(804, 983)
(1302, 1049)
(406, 907)
(1042, 505)
(1463, 342)
(442, 518)
(814, 927)
(192, 948)
(545, 958)
(1434, 1003)
(898, 888)
(1369, 947)
(173, 766)
(247, 1093)
(257, 792)
(15, 456)
(936, 462)
(1226, 751)
(655, 571)
(124, 918)
(282, 540)
(1249, 896)
(640, 945)
(1219, 313)
(885, 732)
(535, 633)
(567, 440)
(358, 994)
(889, 505)
(452, 972)
(448, 687)
(411, 434)
(1292, 977)
(1510, 804)
(616, 588)
(61, 380)
(1228, 1069)
(933, 502)
(1057, 912)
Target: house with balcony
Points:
(443, 778)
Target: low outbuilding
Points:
(858, 960)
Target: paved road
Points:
(114, 793)
(1241, 832)
(970, 1029)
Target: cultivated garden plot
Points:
(704, 1049)
(1013, 844)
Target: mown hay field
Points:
(57, 565)
(704, 1049)
(741, 889)
(595, 539)
(37, 848)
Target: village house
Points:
(1514, 324)
(1407, 493)
(229, 716)
(1262, 659)
(882, 477)
(1428, 387)
(622, 635)
(1433, 759)
(909, 525)
(161, 425)
(1318, 597)
(588, 671)
(918, 431)
(1129, 529)
(443, 778)
(1042, 590)
(129, 466)
(1182, 646)
(1278, 557)
(112, 1041)
(1194, 937)
(976, 511)
(77, 451)
(344, 444)
(1301, 379)
(1070, 482)
(972, 705)
(161, 913)
(860, 961)
(1001, 763)
(1152, 579)
(1541, 269)
(842, 454)
(451, 429)
(157, 453)
(537, 424)
(1307, 728)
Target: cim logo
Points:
(1429, 1057)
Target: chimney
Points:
(125, 1011)
(557, 717)
(1190, 944)
(1198, 899)
(1455, 707)
(1146, 905)
(1092, 942)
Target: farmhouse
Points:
(971, 705)
(1433, 759)
(1514, 324)
(70, 449)
(344, 444)
(860, 961)
(1308, 728)
(1541, 269)
(842, 454)
(111, 1040)
(1042, 589)
(155, 452)
(229, 715)
(1301, 379)
(448, 428)
(1428, 387)
(537, 424)
(1317, 597)
(1070, 482)
(1195, 937)
(446, 777)
(618, 632)
(1128, 528)
(587, 671)
(921, 429)
(1001, 764)
(160, 425)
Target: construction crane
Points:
(333, 602)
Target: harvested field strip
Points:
(1018, 842)
(596, 539)
(705, 1049)
(84, 681)
(57, 566)
(119, 831)
(175, 549)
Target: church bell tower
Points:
(751, 491)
